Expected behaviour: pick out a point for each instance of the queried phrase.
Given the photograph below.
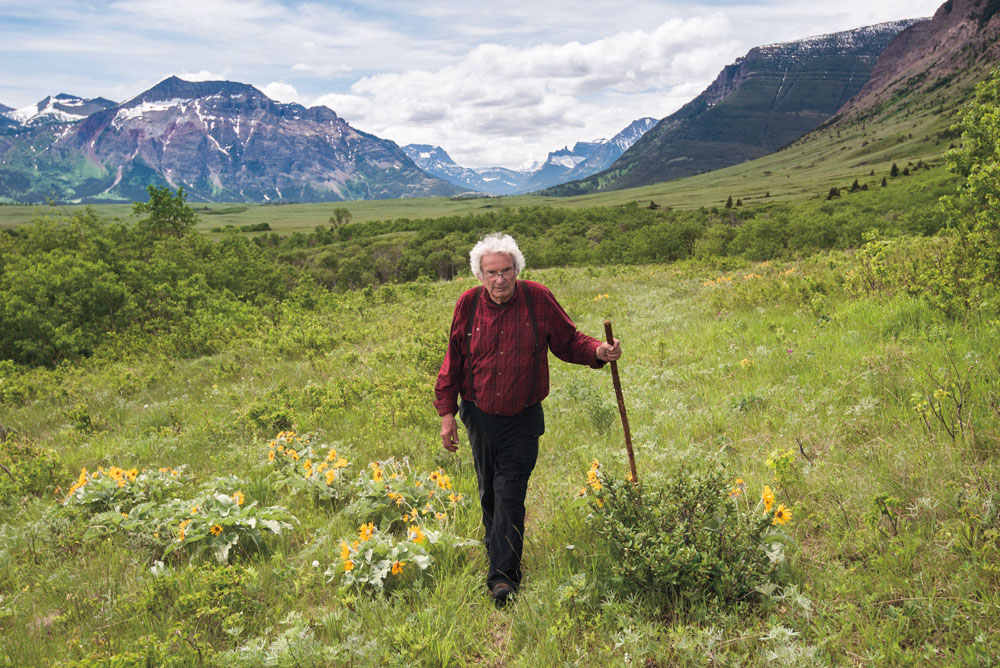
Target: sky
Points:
(493, 83)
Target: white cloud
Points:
(280, 92)
(202, 75)
(506, 105)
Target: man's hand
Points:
(449, 432)
(609, 353)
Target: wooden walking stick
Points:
(621, 405)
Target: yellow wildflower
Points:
(441, 516)
(781, 515)
(215, 530)
(308, 464)
(397, 567)
(340, 463)
(331, 455)
(348, 565)
(365, 531)
(132, 474)
(194, 510)
(238, 498)
(331, 475)
(270, 456)
(768, 498)
(345, 550)
(182, 530)
(738, 487)
(415, 533)
(593, 480)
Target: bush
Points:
(686, 536)
(29, 469)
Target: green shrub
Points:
(30, 469)
(686, 535)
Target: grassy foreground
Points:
(871, 417)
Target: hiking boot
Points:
(502, 593)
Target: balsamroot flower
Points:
(781, 515)
(397, 567)
(767, 497)
(182, 530)
(366, 531)
(215, 530)
(415, 533)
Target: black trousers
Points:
(504, 449)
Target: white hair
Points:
(495, 243)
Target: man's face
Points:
(498, 276)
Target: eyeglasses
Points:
(493, 275)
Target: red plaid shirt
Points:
(502, 351)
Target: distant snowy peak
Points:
(630, 135)
(61, 108)
(586, 157)
(425, 154)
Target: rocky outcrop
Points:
(961, 35)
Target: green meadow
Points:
(891, 555)
(219, 448)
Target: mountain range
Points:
(563, 165)
(226, 141)
(220, 140)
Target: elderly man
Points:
(497, 360)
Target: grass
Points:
(728, 372)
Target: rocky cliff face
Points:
(221, 141)
(763, 101)
(963, 34)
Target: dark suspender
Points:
(467, 353)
